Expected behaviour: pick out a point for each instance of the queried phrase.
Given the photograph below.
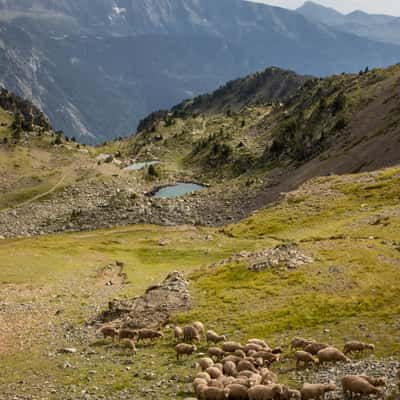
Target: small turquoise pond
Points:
(140, 165)
(177, 190)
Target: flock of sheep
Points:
(234, 371)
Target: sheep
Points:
(213, 337)
(204, 375)
(199, 381)
(355, 346)
(246, 373)
(230, 347)
(232, 358)
(268, 377)
(374, 381)
(214, 372)
(255, 379)
(260, 342)
(109, 331)
(353, 384)
(236, 391)
(199, 390)
(316, 390)
(205, 363)
(305, 358)
(183, 348)
(299, 343)
(277, 350)
(240, 353)
(252, 346)
(213, 393)
(178, 333)
(246, 365)
(315, 347)
(127, 334)
(219, 366)
(230, 368)
(267, 392)
(216, 352)
(190, 334)
(199, 326)
(267, 357)
(147, 333)
(331, 354)
(289, 394)
(129, 344)
(216, 383)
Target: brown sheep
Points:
(184, 349)
(216, 383)
(213, 393)
(331, 354)
(214, 372)
(353, 384)
(267, 357)
(252, 346)
(236, 392)
(299, 343)
(205, 363)
(265, 392)
(109, 331)
(374, 381)
(260, 342)
(230, 368)
(178, 333)
(219, 366)
(255, 379)
(316, 390)
(127, 334)
(216, 352)
(147, 333)
(305, 358)
(231, 347)
(289, 394)
(355, 346)
(242, 380)
(246, 365)
(268, 377)
(199, 381)
(199, 326)
(213, 337)
(199, 390)
(232, 358)
(190, 334)
(277, 350)
(240, 353)
(204, 375)
(315, 347)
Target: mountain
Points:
(382, 28)
(97, 67)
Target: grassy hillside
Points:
(51, 285)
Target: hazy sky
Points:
(391, 7)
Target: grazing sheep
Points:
(255, 379)
(219, 366)
(355, 346)
(127, 334)
(231, 347)
(230, 368)
(246, 373)
(252, 346)
(147, 333)
(204, 375)
(246, 365)
(265, 392)
(289, 394)
(331, 354)
(277, 350)
(216, 383)
(198, 381)
(216, 352)
(129, 344)
(242, 380)
(353, 384)
(268, 377)
(260, 342)
(184, 349)
(199, 326)
(178, 333)
(190, 334)
(232, 358)
(316, 390)
(305, 358)
(214, 372)
(315, 347)
(213, 337)
(213, 393)
(236, 391)
(109, 331)
(240, 353)
(374, 381)
(267, 357)
(299, 343)
(205, 362)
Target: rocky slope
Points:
(97, 67)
